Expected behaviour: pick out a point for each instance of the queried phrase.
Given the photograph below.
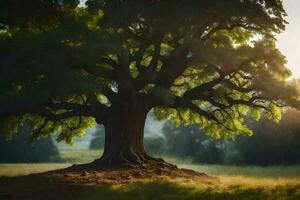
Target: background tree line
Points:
(272, 144)
(19, 150)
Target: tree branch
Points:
(174, 66)
(149, 73)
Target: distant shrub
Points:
(272, 143)
(155, 145)
(191, 142)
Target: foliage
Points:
(272, 143)
(155, 145)
(18, 150)
(32, 13)
(190, 142)
(63, 67)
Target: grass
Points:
(236, 183)
(79, 155)
(192, 191)
(249, 171)
(26, 169)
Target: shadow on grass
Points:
(37, 187)
(169, 190)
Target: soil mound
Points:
(77, 180)
(128, 173)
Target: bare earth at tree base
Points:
(78, 180)
(127, 173)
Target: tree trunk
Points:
(124, 134)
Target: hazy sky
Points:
(289, 41)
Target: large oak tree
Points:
(64, 67)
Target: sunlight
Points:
(289, 42)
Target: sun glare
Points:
(289, 41)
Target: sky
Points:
(289, 41)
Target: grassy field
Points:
(241, 183)
(229, 175)
(79, 155)
(195, 191)
(26, 169)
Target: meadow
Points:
(236, 182)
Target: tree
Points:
(155, 145)
(190, 142)
(195, 62)
(15, 13)
(272, 143)
(97, 142)
(18, 150)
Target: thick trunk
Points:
(124, 133)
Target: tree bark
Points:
(124, 134)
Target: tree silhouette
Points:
(195, 62)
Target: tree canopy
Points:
(210, 63)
